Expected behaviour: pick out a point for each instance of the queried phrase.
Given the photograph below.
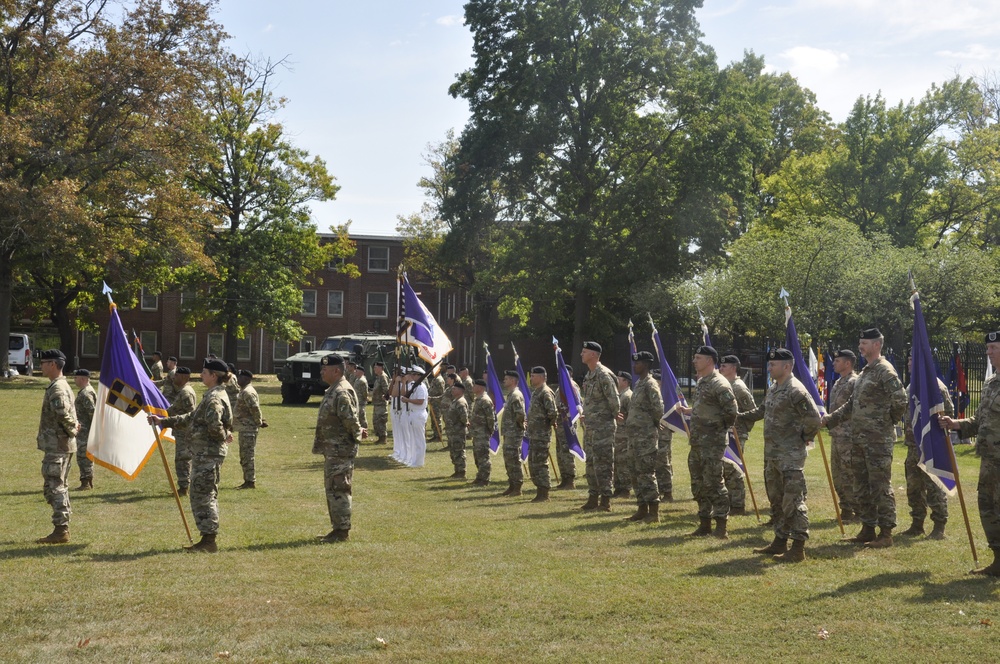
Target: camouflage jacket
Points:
(513, 418)
(232, 388)
(184, 403)
(949, 410)
(713, 410)
(361, 390)
(599, 394)
(443, 405)
(469, 383)
(744, 402)
(157, 370)
(457, 418)
(985, 425)
(167, 387)
(645, 408)
(483, 419)
(246, 414)
(337, 428)
(542, 415)
(85, 405)
(878, 402)
(791, 419)
(841, 393)
(209, 424)
(624, 399)
(57, 428)
(380, 393)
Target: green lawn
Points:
(438, 571)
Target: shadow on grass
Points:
(21, 493)
(550, 515)
(834, 550)
(448, 487)
(127, 557)
(119, 497)
(877, 582)
(753, 563)
(670, 540)
(43, 551)
(601, 526)
(374, 463)
(304, 465)
(969, 588)
(278, 546)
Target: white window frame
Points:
(379, 259)
(209, 350)
(368, 305)
(90, 337)
(244, 350)
(194, 346)
(147, 348)
(330, 314)
(305, 293)
(142, 301)
(275, 355)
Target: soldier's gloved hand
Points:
(229, 437)
(364, 434)
(153, 419)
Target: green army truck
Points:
(300, 377)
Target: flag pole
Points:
(555, 472)
(961, 500)
(170, 478)
(829, 478)
(746, 473)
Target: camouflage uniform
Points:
(735, 483)
(600, 407)
(921, 491)
(512, 428)
(380, 407)
(713, 411)
(210, 424)
(337, 435)
(157, 370)
(564, 458)
(841, 449)
(878, 402)
(247, 419)
(232, 388)
(361, 390)
(644, 412)
(435, 393)
(57, 440)
(441, 410)
(482, 423)
(623, 476)
(985, 425)
(456, 424)
(665, 463)
(184, 403)
(542, 416)
(85, 405)
(167, 387)
(791, 419)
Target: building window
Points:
(280, 350)
(378, 259)
(188, 297)
(216, 344)
(90, 344)
(378, 305)
(148, 301)
(188, 345)
(307, 344)
(148, 341)
(335, 303)
(308, 303)
(243, 350)
(336, 264)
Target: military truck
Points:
(300, 377)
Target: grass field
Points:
(439, 571)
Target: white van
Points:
(19, 354)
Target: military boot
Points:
(591, 503)
(247, 485)
(866, 535)
(623, 492)
(336, 535)
(85, 484)
(848, 516)
(59, 535)
(510, 489)
(883, 541)
(794, 555)
(667, 496)
(779, 545)
(458, 475)
(541, 496)
(993, 569)
(205, 545)
(479, 482)
(704, 529)
(567, 483)
(182, 491)
(640, 513)
(720, 528)
(605, 504)
(937, 533)
(654, 514)
(916, 529)
(737, 511)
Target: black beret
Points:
(183, 371)
(511, 373)
(231, 367)
(539, 370)
(158, 353)
(624, 375)
(642, 356)
(845, 353)
(352, 362)
(480, 382)
(332, 361)
(459, 384)
(216, 365)
(450, 367)
(380, 364)
(592, 345)
(992, 337)
(730, 359)
(171, 359)
(780, 354)
(871, 333)
(82, 372)
(709, 351)
(244, 372)
(52, 354)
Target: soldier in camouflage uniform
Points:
(466, 380)
(664, 457)
(985, 425)
(791, 419)
(380, 403)
(248, 421)
(642, 421)
(167, 384)
(623, 475)
(445, 402)
(842, 447)
(156, 368)
(361, 390)
(482, 423)
(85, 405)
(435, 392)
(337, 436)
(231, 385)
(542, 416)
(713, 411)
(456, 422)
(729, 367)
(921, 491)
(565, 459)
(601, 406)
(211, 425)
(512, 427)
(184, 402)
(57, 431)
(878, 402)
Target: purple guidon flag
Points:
(670, 389)
(496, 392)
(418, 328)
(570, 399)
(522, 383)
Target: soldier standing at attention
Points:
(156, 369)
(435, 390)
(380, 403)
(841, 449)
(878, 402)
(623, 475)
(664, 455)
(791, 419)
(337, 436)
(231, 385)
(600, 408)
(542, 416)
(248, 420)
(564, 458)
(729, 367)
(85, 405)
(985, 425)
(167, 384)
(466, 380)
(512, 428)
(184, 403)
(642, 421)
(360, 386)
(713, 410)
(57, 431)
(482, 422)
(444, 405)
(211, 430)
(351, 373)
(456, 424)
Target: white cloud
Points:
(921, 17)
(973, 52)
(450, 20)
(808, 59)
(269, 27)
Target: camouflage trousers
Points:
(921, 491)
(512, 460)
(538, 462)
(565, 458)
(989, 492)
(85, 464)
(434, 420)
(205, 492)
(665, 466)
(380, 418)
(786, 491)
(182, 460)
(599, 444)
(55, 470)
(248, 447)
(338, 474)
(456, 447)
(707, 484)
(481, 455)
(842, 470)
(623, 470)
(872, 462)
(641, 457)
(735, 484)
(363, 415)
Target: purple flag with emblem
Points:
(496, 392)
(801, 368)
(670, 389)
(418, 328)
(522, 383)
(571, 400)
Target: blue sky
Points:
(367, 86)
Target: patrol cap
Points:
(592, 345)
(171, 359)
(871, 333)
(82, 372)
(539, 370)
(780, 354)
(843, 352)
(216, 365)
(52, 354)
(183, 371)
(511, 373)
(624, 375)
(730, 359)
(708, 351)
(642, 356)
(245, 373)
(480, 382)
(460, 385)
(992, 337)
(331, 361)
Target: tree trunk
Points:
(6, 299)
(581, 326)
(67, 333)
(229, 345)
